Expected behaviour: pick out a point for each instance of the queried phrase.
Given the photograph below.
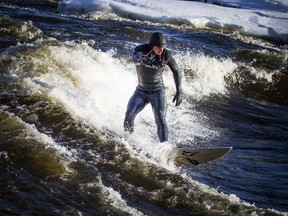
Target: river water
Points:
(65, 80)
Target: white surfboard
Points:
(188, 156)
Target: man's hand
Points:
(136, 57)
(177, 98)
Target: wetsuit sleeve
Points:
(176, 72)
(140, 50)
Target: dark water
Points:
(64, 84)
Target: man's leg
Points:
(158, 103)
(136, 103)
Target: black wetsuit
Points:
(150, 88)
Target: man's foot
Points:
(129, 125)
(129, 130)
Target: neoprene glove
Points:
(177, 98)
(136, 57)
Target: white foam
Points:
(94, 87)
(208, 74)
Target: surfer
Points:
(152, 58)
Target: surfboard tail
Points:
(192, 156)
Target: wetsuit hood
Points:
(157, 39)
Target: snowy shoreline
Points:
(261, 20)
